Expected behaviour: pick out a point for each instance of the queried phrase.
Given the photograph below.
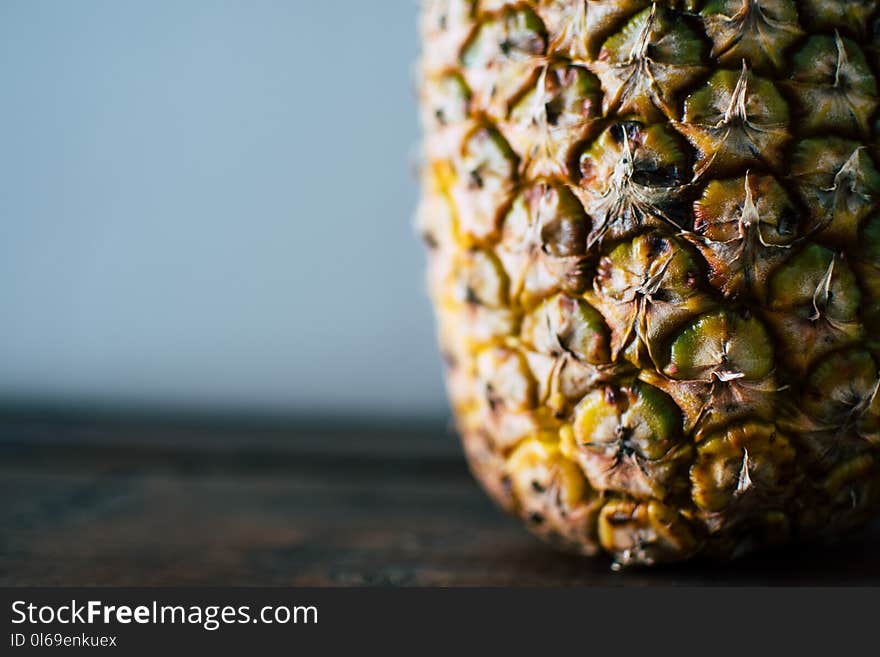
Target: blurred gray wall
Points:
(209, 203)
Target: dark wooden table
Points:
(111, 501)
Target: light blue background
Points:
(208, 204)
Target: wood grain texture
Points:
(116, 502)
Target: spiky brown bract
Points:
(655, 257)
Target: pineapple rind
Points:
(654, 254)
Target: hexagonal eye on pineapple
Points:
(756, 31)
(833, 86)
(813, 302)
(736, 121)
(744, 227)
(501, 56)
(646, 288)
(544, 242)
(485, 173)
(629, 179)
(553, 115)
(630, 440)
(747, 464)
(644, 65)
(838, 183)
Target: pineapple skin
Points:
(654, 254)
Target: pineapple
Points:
(654, 253)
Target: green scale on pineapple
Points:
(654, 253)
